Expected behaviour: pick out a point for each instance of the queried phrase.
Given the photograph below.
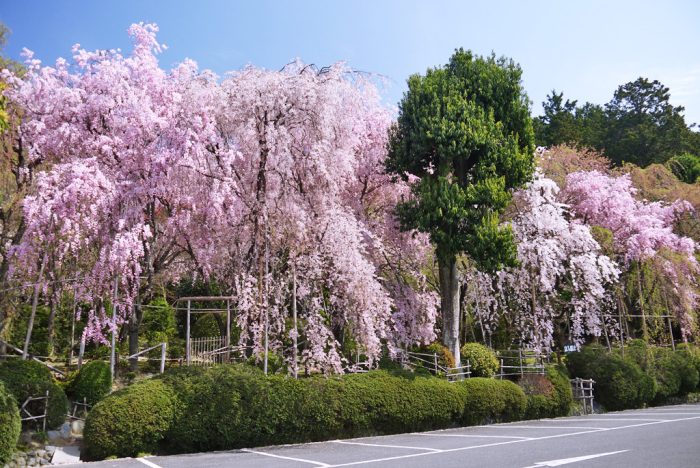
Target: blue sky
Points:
(585, 49)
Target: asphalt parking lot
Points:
(656, 437)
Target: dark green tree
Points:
(645, 127)
(465, 130)
(558, 125)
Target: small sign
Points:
(570, 348)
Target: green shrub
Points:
(693, 354)
(491, 400)
(92, 382)
(130, 421)
(58, 406)
(548, 396)
(10, 424)
(482, 359)
(674, 372)
(29, 378)
(619, 383)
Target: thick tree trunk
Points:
(449, 304)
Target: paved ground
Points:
(658, 437)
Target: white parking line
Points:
(148, 463)
(469, 435)
(544, 427)
(366, 444)
(626, 419)
(312, 462)
(508, 442)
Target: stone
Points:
(77, 427)
(53, 435)
(65, 430)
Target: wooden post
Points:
(670, 330)
(112, 355)
(520, 358)
(46, 409)
(228, 330)
(187, 339)
(435, 362)
(162, 356)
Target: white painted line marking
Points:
(470, 435)
(545, 427)
(566, 461)
(312, 462)
(625, 419)
(508, 442)
(386, 445)
(148, 463)
(663, 413)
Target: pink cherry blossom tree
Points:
(643, 233)
(563, 278)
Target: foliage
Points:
(233, 406)
(639, 125)
(92, 382)
(10, 424)
(464, 130)
(685, 166)
(619, 383)
(549, 395)
(58, 406)
(481, 358)
(158, 323)
(491, 400)
(674, 373)
(445, 357)
(129, 421)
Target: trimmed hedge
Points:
(92, 382)
(130, 421)
(491, 400)
(674, 372)
(482, 360)
(10, 424)
(233, 406)
(30, 378)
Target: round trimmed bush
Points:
(93, 382)
(549, 395)
(674, 372)
(130, 421)
(10, 424)
(619, 383)
(481, 358)
(29, 378)
(491, 400)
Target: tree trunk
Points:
(35, 301)
(51, 325)
(134, 324)
(449, 304)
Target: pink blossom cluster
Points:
(259, 181)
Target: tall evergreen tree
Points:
(465, 130)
